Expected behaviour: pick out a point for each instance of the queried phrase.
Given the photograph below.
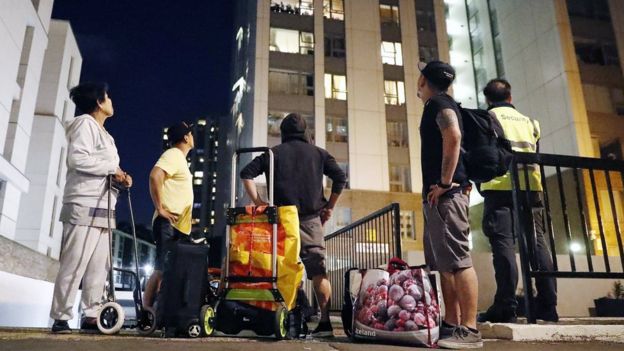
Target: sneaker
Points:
(497, 315)
(462, 338)
(446, 330)
(323, 330)
(60, 327)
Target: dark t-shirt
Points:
(299, 170)
(431, 147)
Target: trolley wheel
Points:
(194, 330)
(207, 320)
(280, 323)
(110, 318)
(146, 324)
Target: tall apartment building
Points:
(38, 225)
(564, 60)
(24, 40)
(348, 67)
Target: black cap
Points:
(438, 73)
(176, 132)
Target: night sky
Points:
(165, 61)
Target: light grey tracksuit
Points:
(91, 157)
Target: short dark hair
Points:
(87, 95)
(497, 90)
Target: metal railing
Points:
(580, 218)
(366, 243)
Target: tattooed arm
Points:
(451, 144)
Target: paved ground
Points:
(38, 340)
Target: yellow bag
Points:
(250, 253)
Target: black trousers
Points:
(498, 226)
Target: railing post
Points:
(520, 234)
(397, 229)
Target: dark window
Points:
(612, 150)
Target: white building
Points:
(39, 62)
(23, 41)
(38, 225)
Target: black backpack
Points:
(485, 151)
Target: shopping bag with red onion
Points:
(398, 305)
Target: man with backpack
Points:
(446, 192)
(523, 134)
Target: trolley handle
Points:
(270, 177)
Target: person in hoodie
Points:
(299, 169)
(91, 159)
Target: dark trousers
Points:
(498, 226)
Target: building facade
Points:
(24, 41)
(38, 225)
(564, 61)
(348, 67)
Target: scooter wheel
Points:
(207, 320)
(146, 324)
(194, 330)
(281, 319)
(110, 318)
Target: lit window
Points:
(389, 14)
(195, 221)
(291, 41)
(165, 137)
(397, 134)
(337, 130)
(291, 83)
(333, 9)
(394, 92)
(201, 122)
(198, 181)
(391, 53)
(335, 87)
(214, 190)
(275, 120)
(400, 178)
(199, 174)
(407, 225)
(212, 221)
(294, 7)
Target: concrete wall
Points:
(572, 300)
(38, 224)
(23, 40)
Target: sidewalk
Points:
(35, 340)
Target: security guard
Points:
(524, 134)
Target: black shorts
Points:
(165, 235)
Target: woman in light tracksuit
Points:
(91, 158)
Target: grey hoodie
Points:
(91, 157)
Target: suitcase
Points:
(184, 289)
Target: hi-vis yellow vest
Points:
(523, 133)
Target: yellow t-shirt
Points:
(177, 191)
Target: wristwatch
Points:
(444, 186)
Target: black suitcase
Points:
(184, 289)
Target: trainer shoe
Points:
(60, 327)
(462, 338)
(323, 330)
(446, 330)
